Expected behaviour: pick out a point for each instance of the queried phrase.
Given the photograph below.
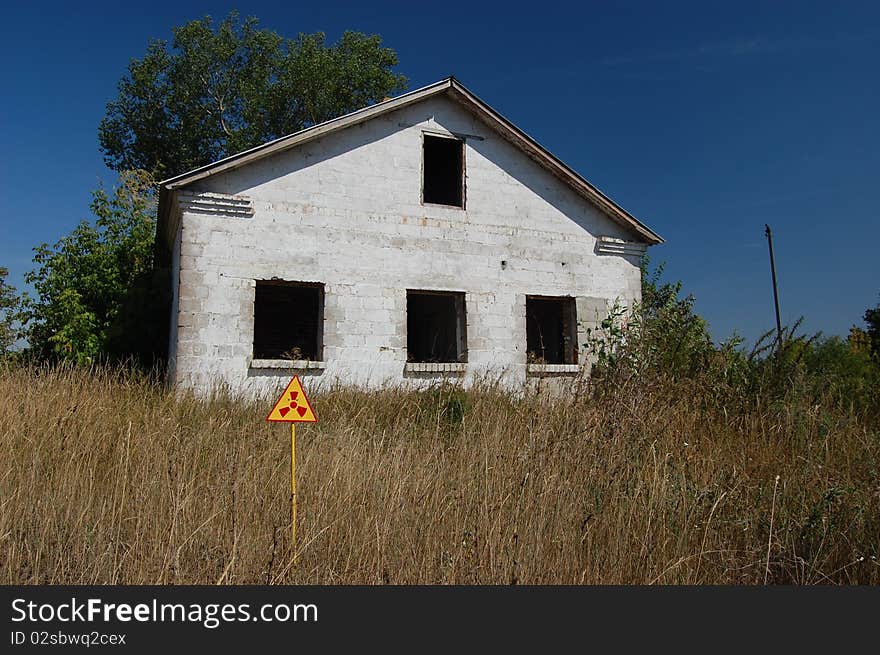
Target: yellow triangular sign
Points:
(293, 406)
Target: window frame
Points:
(569, 340)
(462, 143)
(461, 340)
(267, 362)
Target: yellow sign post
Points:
(293, 407)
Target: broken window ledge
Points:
(559, 369)
(435, 367)
(443, 205)
(288, 364)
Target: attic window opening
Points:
(288, 320)
(551, 330)
(435, 327)
(443, 171)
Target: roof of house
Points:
(456, 91)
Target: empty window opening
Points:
(443, 169)
(435, 327)
(288, 320)
(551, 330)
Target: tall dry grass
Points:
(107, 477)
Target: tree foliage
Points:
(662, 331)
(221, 89)
(93, 287)
(872, 320)
(663, 339)
(217, 90)
(9, 307)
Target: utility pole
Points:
(775, 290)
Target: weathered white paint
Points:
(174, 314)
(345, 210)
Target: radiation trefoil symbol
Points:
(302, 410)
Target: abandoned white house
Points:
(421, 237)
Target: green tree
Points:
(222, 89)
(9, 307)
(850, 375)
(872, 320)
(94, 297)
(217, 90)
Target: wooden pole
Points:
(775, 291)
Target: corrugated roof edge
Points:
(465, 97)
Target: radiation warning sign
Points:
(293, 406)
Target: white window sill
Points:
(287, 364)
(564, 369)
(435, 367)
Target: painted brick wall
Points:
(345, 211)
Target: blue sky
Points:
(705, 120)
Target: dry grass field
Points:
(108, 477)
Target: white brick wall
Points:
(345, 211)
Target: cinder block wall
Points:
(346, 211)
